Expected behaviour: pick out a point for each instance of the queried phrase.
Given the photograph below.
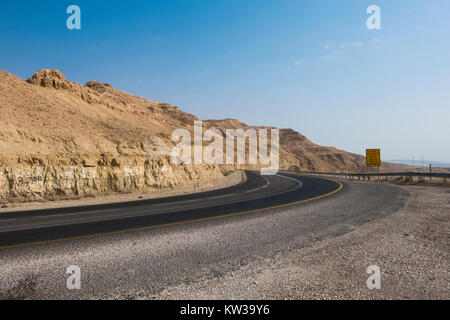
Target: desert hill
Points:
(297, 151)
(60, 138)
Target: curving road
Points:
(255, 194)
(150, 260)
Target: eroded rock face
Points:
(34, 182)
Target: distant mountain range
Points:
(418, 163)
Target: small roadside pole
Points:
(430, 173)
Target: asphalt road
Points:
(147, 262)
(255, 194)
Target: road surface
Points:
(254, 194)
(182, 241)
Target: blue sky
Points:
(309, 65)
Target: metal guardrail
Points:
(366, 176)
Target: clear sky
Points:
(311, 65)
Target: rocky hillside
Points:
(63, 139)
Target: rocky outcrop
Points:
(50, 78)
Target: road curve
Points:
(257, 193)
(144, 264)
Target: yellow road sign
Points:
(373, 157)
